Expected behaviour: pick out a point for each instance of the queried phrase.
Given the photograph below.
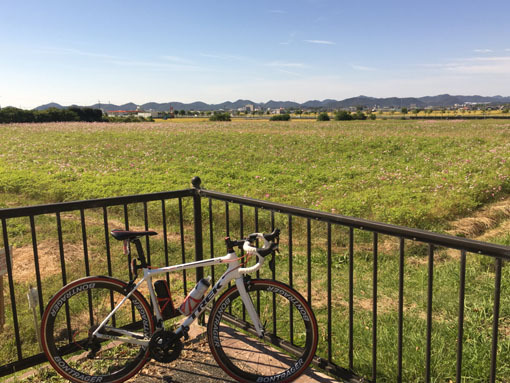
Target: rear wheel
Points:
(76, 311)
(289, 341)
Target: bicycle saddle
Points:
(121, 235)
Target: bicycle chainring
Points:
(165, 346)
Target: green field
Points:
(419, 173)
(436, 175)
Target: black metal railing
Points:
(201, 213)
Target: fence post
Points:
(197, 211)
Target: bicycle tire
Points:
(75, 311)
(290, 338)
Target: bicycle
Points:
(101, 329)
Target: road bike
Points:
(101, 329)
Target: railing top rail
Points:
(93, 203)
(450, 241)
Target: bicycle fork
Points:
(249, 307)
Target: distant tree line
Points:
(10, 115)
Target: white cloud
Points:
(277, 11)
(322, 42)
(483, 50)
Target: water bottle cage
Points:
(187, 307)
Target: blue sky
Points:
(82, 52)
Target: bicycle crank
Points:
(165, 346)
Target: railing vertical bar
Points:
(273, 271)
(241, 222)
(227, 229)
(460, 333)
(36, 265)
(258, 272)
(256, 212)
(126, 223)
(227, 219)
(84, 241)
(400, 309)
(198, 234)
(495, 321)
(291, 313)
(11, 289)
(87, 264)
(64, 273)
(183, 249)
(241, 235)
(330, 351)
(146, 226)
(309, 260)
(429, 312)
(273, 275)
(211, 239)
(107, 241)
(351, 298)
(374, 308)
(165, 238)
(108, 256)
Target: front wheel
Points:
(290, 333)
(75, 312)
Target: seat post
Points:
(139, 250)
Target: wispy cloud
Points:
(476, 65)
(284, 64)
(482, 50)
(157, 64)
(323, 42)
(507, 50)
(290, 73)
(222, 56)
(363, 68)
(176, 59)
(74, 52)
(277, 11)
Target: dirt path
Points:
(197, 365)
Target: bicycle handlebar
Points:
(263, 251)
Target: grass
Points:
(422, 174)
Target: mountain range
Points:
(442, 100)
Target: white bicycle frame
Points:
(234, 271)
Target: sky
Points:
(109, 51)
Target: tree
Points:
(403, 110)
(343, 115)
(359, 115)
(182, 112)
(280, 117)
(220, 116)
(323, 117)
